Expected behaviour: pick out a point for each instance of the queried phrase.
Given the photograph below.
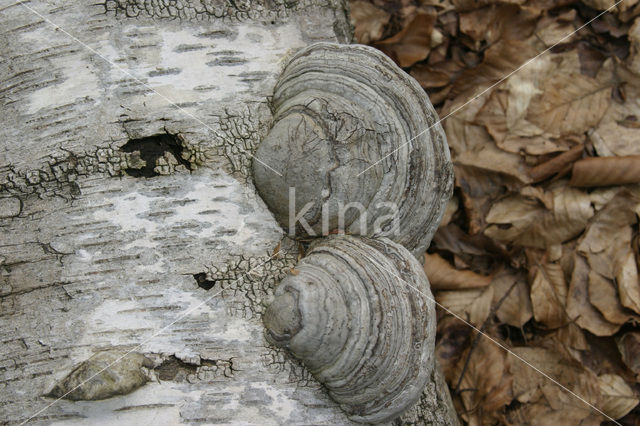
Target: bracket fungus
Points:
(351, 129)
(357, 145)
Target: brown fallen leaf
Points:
(591, 59)
(600, 4)
(628, 282)
(516, 308)
(561, 29)
(443, 276)
(550, 403)
(527, 381)
(500, 59)
(603, 295)
(471, 305)
(498, 22)
(527, 222)
(483, 253)
(549, 295)
(616, 135)
(479, 190)
(578, 306)
(612, 220)
(557, 164)
(541, 413)
(413, 43)
(569, 104)
(629, 347)
(606, 171)
(492, 159)
(453, 338)
(485, 385)
(504, 116)
(607, 244)
(438, 96)
(436, 75)
(602, 357)
(571, 337)
(369, 21)
(618, 398)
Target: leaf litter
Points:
(540, 246)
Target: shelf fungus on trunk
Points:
(360, 315)
(357, 145)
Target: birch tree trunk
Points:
(128, 219)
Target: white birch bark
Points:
(95, 256)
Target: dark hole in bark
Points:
(203, 282)
(151, 148)
(174, 369)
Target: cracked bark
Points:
(100, 250)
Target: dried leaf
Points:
(483, 253)
(436, 75)
(541, 413)
(504, 116)
(551, 30)
(498, 22)
(569, 104)
(369, 21)
(629, 347)
(578, 306)
(492, 159)
(515, 309)
(591, 59)
(604, 296)
(550, 403)
(527, 382)
(612, 220)
(549, 295)
(602, 357)
(526, 222)
(605, 171)
(472, 305)
(619, 399)
(613, 139)
(463, 5)
(454, 336)
(479, 190)
(500, 59)
(628, 282)
(607, 245)
(571, 337)
(600, 4)
(412, 43)
(556, 164)
(485, 386)
(444, 276)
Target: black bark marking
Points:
(152, 148)
(203, 282)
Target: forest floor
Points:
(539, 250)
